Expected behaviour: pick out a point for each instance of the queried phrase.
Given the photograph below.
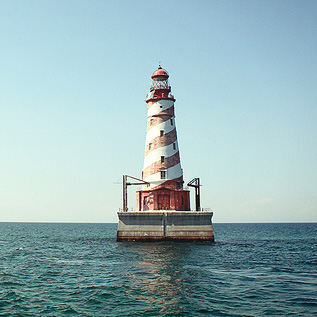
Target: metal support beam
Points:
(195, 182)
(125, 185)
(125, 193)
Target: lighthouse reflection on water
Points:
(159, 278)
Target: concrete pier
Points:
(165, 225)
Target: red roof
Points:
(160, 72)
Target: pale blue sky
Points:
(74, 75)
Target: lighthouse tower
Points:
(162, 167)
(163, 209)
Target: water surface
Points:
(80, 270)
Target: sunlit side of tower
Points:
(162, 167)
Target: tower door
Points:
(164, 201)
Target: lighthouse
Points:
(163, 205)
(162, 169)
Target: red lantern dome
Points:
(160, 72)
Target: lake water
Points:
(80, 270)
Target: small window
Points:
(182, 200)
(162, 133)
(171, 121)
(150, 146)
(162, 159)
(145, 201)
(174, 146)
(163, 174)
(161, 106)
(151, 121)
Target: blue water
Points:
(80, 270)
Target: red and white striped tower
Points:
(162, 167)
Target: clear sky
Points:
(73, 78)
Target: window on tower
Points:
(162, 159)
(171, 121)
(150, 146)
(163, 174)
(151, 121)
(174, 146)
(162, 133)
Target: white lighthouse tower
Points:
(163, 207)
(162, 167)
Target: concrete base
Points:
(165, 225)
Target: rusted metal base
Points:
(165, 225)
